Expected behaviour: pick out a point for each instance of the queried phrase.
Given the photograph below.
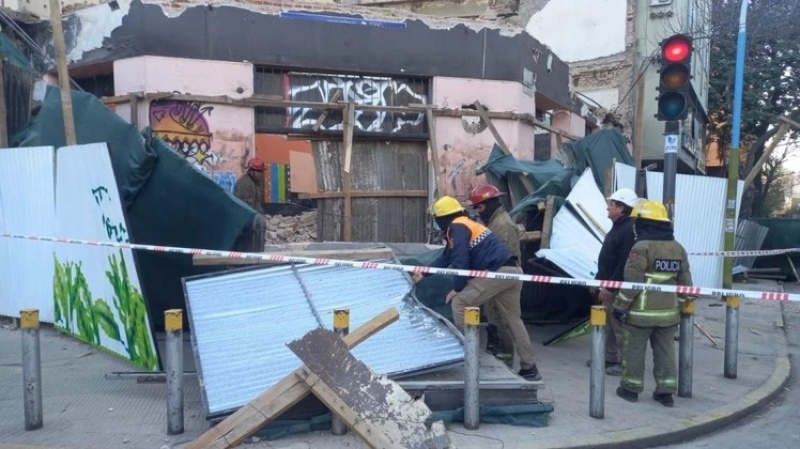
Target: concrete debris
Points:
(291, 229)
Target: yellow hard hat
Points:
(446, 205)
(651, 210)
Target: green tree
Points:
(771, 81)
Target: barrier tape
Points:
(765, 252)
(680, 289)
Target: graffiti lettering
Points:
(116, 232)
(371, 91)
(98, 193)
(183, 125)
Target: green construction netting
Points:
(783, 233)
(166, 200)
(12, 55)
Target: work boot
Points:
(614, 370)
(664, 399)
(492, 339)
(531, 374)
(628, 395)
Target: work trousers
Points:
(505, 342)
(614, 339)
(634, 349)
(504, 295)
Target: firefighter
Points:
(472, 246)
(250, 187)
(485, 200)
(650, 315)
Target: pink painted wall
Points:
(569, 122)
(465, 144)
(216, 139)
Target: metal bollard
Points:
(472, 321)
(731, 335)
(686, 350)
(341, 324)
(31, 369)
(173, 323)
(597, 379)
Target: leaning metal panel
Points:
(242, 320)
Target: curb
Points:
(684, 429)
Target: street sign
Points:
(671, 144)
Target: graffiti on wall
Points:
(183, 125)
(371, 91)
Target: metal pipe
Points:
(472, 321)
(341, 325)
(671, 143)
(686, 350)
(173, 323)
(31, 369)
(730, 196)
(731, 336)
(597, 378)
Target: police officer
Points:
(485, 200)
(649, 315)
(472, 246)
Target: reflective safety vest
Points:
(478, 232)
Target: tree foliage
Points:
(771, 80)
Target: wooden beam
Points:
(134, 106)
(259, 412)
(547, 226)
(434, 152)
(325, 112)
(63, 73)
(531, 236)
(355, 254)
(347, 178)
(638, 126)
(501, 143)
(366, 194)
(784, 128)
(794, 124)
(3, 113)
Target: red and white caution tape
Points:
(765, 252)
(681, 289)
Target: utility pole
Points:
(63, 73)
(732, 302)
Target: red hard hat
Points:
(483, 193)
(256, 164)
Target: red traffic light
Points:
(676, 48)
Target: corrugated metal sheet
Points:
(749, 237)
(27, 206)
(240, 343)
(575, 243)
(699, 217)
(376, 165)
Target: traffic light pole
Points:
(732, 302)
(671, 140)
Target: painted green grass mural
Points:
(80, 315)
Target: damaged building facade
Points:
(189, 71)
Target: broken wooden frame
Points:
(251, 417)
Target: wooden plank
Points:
(638, 126)
(502, 144)
(246, 421)
(3, 112)
(794, 270)
(547, 227)
(376, 408)
(134, 106)
(791, 122)
(367, 194)
(347, 178)
(356, 254)
(531, 236)
(63, 73)
(434, 152)
(325, 112)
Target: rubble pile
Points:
(291, 229)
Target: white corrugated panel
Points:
(699, 217)
(576, 241)
(89, 207)
(27, 206)
(240, 343)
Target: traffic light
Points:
(674, 85)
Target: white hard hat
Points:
(625, 196)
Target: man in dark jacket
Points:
(611, 267)
(473, 246)
(250, 187)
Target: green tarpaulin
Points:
(783, 233)
(167, 201)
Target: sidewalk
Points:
(84, 410)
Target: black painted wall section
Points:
(236, 34)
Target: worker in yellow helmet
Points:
(472, 246)
(651, 315)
